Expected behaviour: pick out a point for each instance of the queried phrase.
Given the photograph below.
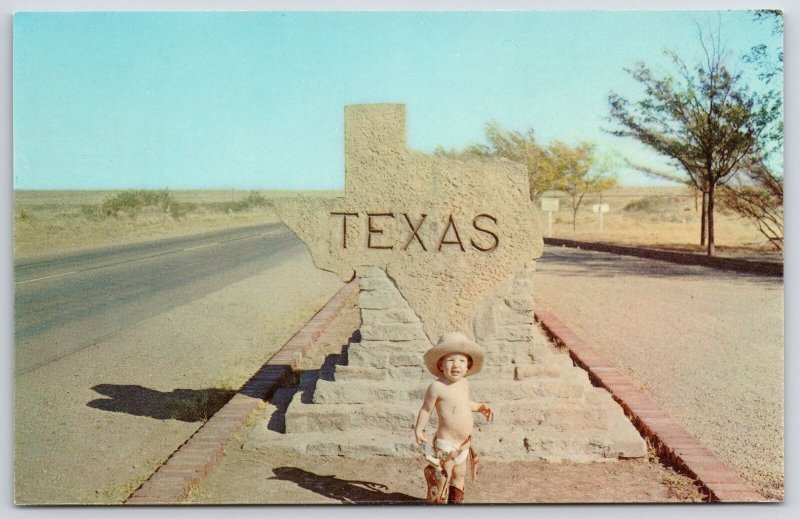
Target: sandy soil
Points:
(246, 478)
(706, 344)
(92, 426)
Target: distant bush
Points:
(132, 202)
(24, 215)
(251, 201)
(92, 212)
(653, 204)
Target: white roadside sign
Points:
(549, 204)
(600, 208)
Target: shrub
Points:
(251, 201)
(92, 212)
(133, 201)
(653, 204)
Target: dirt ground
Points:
(248, 477)
(712, 340)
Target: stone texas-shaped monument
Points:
(437, 245)
(444, 231)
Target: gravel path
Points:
(706, 344)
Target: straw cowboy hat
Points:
(453, 342)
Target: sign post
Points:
(549, 205)
(600, 208)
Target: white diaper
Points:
(448, 449)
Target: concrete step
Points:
(557, 367)
(381, 298)
(492, 444)
(360, 444)
(400, 356)
(393, 332)
(389, 354)
(388, 316)
(408, 353)
(534, 411)
(553, 444)
(573, 384)
(347, 373)
(348, 417)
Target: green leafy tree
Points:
(703, 118)
(557, 166)
(512, 145)
(576, 172)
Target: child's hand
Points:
(421, 438)
(486, 411)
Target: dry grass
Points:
(48, 222)
(653, 216)
(680, 485)
(197, 405)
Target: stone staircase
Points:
(366, 403)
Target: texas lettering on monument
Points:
(450, 235)
(446, 231)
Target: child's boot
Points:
(435, 485)
(456, 496)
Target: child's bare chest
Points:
(454, 395)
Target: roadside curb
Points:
(668, 437)
(188, 465)
(763, 268)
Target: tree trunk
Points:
(711, 220)
(703, 220)
(574, 218)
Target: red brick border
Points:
(665, 434)
(170, 483)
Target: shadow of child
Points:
(345, 491)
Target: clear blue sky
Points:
(255, 100)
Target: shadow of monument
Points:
(344, 491)
(186, 405)
(308, 381)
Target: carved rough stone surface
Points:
(545, 407)
(440, 281)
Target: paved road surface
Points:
(135, 346)
(65, 303)
(706, 344)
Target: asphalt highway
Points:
(65, 303)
